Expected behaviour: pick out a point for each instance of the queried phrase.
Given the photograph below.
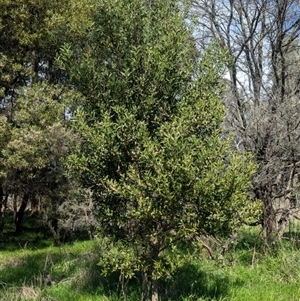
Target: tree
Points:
(31, 34)
(32, 104)
(262, 40)
(153, 155)
(38, 142)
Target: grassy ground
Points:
(32, 268)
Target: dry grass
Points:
(29, 293)
(24, 293)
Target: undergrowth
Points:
(38, 270)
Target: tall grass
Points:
(40, 271)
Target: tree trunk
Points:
(148, 280)
(154, 288)
(20, 214)
(4, 205)
(269, 216)
(145, 286)
(2, 209)
(154, 257)
(15, 206)
(290, 198)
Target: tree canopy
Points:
(153, 154)
(115, 96)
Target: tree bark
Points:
(2, 209)
(269, 215)
(150, 285)
(15, 206)
(145, 286)
(154, 288)
(4, 205)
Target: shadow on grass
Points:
(35, 235)
(34, 267)
(188, 283)
(75, 271)
(31, 240)
(92, 282)
(27, 269)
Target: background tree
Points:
(4, 137)
(262, 40)
(32, 158)
(31, 34)
(153, 154)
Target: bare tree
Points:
(262, 41)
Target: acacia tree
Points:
(153, 154)
(262, 40)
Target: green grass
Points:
(245, 273)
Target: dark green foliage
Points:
(134, 113)
(153, 153)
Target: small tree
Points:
(154, 156)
